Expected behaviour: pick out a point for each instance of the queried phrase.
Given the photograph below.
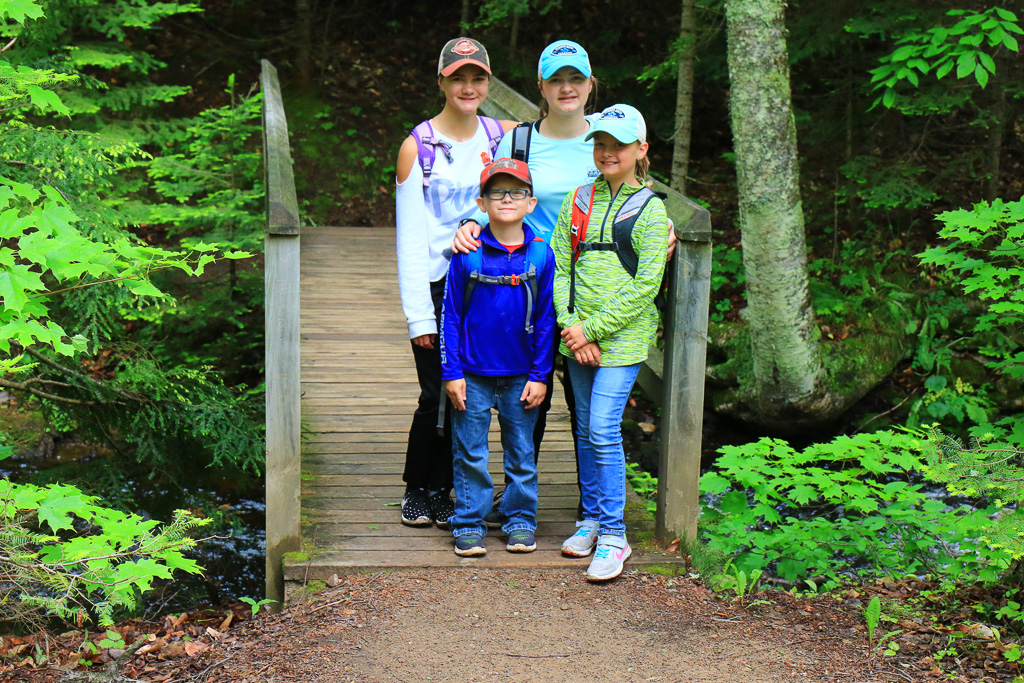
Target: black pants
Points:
(428, 457)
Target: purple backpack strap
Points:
(426, 148)
(494, 131)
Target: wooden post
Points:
(281, 272)
(682, 407)
(675, 380)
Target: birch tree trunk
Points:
(787, 367)
(684, 97)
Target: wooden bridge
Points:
(341, 390)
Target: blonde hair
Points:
(588, 107)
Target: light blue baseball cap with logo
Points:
(563, 53)
(622, 122)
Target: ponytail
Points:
(643, 166)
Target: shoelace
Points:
(603, 552)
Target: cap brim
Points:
(581, 65)
(454, 66)
(620, 133)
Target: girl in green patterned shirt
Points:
(605, 284)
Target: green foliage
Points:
(952, 406)
(210, 190)
(851, 521)
(985, 255)
(872, 613)
(256, 605)
(967, 46)
(878, 184)
(644, 484)
(62, 554)
(71, 274)
(726, 273)
(101, 55)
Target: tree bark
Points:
(464, 16)
(304, 29)
(684, 96)
(787, 367)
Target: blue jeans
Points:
(474, 490)
(601, 395)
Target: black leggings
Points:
(428, 457)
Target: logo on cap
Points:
(502, 163)
(464, 47)
(564, 50)
(613, 114)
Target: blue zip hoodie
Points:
(490, 338)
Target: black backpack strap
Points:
(622, 228)
(521, 135)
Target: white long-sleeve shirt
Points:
(427, 218)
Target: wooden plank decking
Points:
(359, 392)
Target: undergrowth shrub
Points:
(855, 506)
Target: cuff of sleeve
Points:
(588, 332)
(422, 327)
(536, 376)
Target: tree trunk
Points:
(787, 367)
(684, 96)
(304, 31)
(464, 16)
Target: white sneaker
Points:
(611, 552)
(582, 542)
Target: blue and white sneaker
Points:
(469, 545)
(582, 542)
(611, 552)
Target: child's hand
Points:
(425, 341)
(671, 240)
(456, 390)
(574, 337)
(533, 394)
(588, 354)
(466, 238)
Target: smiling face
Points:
(506, 211)
(616, 160)
(465, 89)
(566, 91)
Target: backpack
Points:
(427, 143)
(536, 258)
(622, 231)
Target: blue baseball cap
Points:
(622, 122)
(563, 53)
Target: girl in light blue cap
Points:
(609, 245)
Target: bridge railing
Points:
(281, 291)
(675, 378)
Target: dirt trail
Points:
(475, 624)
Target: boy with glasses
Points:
(497, 336)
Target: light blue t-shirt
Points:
(557, 167)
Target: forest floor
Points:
(478, 624)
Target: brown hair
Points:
(643, 166)
(588, 107)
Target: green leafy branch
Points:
(966, 47)
(91, 559)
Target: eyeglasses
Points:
(497, 195)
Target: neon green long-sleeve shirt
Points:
(617, 311)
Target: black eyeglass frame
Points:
(496, 194)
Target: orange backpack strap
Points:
(582, 205)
